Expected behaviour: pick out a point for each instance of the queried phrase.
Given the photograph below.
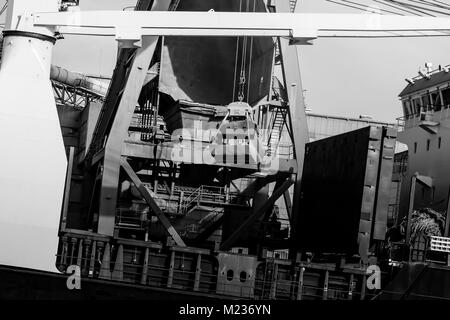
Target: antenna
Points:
(424, 72)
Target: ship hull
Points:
(29, 284)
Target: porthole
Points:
(243, 276)
(230, 275)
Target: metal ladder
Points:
(279, 119)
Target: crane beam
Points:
(299, 27)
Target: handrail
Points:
(188, 201)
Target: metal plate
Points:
(338, 194)
(203, 69)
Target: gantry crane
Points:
(33, 167)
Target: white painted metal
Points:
(131, 25)
(19, 15)
(33, 161)
(441, 244)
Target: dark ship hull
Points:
(28, 284)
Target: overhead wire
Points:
(442, 6)
(425, 8)
(410, 7)
(446, 4)
(346, 5)
(372, 9)
(236, 58)
(251, 55)
(242, 77)
(395, 7)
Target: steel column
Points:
(118, 133)
(145, 267)
(296, 110)
(300, 283)
(198, 270)
(171, 266)
(67, 189)
(288, 204)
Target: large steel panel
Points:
(339, 190)
(206, 69)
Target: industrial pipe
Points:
(75, 79)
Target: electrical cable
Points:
(393, 6)
(251, 55)
(371, 9)
(236, 58)
(414, 7)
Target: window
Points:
(411, 107)
(426, 101)
(417, 105)
(446, 97)
(439, 142)
(406, 108)
(436, 100)
(415, 147)
(428, 144)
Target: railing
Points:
(285, 151)
(180, 200)
(208, 195)
(149, 264)
(440, 244)
(422, 249)
(193, 197)
(130, 219)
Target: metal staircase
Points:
(276, 129)
(205, 227)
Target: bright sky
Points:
(345, 77)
